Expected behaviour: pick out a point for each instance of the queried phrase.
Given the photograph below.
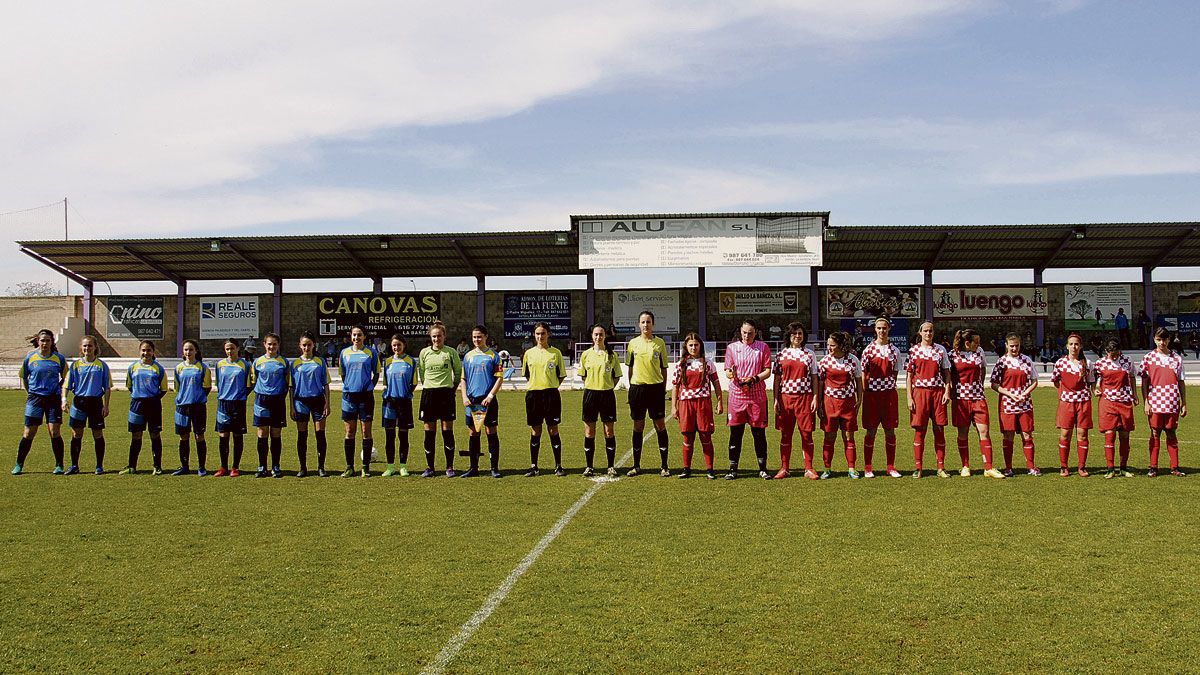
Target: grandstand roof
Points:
(847, 248)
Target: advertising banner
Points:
(132, 316)
(627, 305)
(861, 302)
(226, 317)
(523, 310)
(759, 302)
(990, 303)
(700, 242)
(409, 314)
(1094, 306)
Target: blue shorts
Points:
(231, 416)
(358, 405)
(145, 413)
(191, 418)
(270, 410)
(309, 407)
(87, 411)
(38, 407)
(397, 412)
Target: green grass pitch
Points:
(153, 574)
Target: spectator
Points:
(1143, 329)
(1048, 354)
(1194, 343)
(330, 350)
(1121, 321)
(248, 348)
(998, 345)
(1097, 343)
(462, 348)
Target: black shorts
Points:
(145, 413)
(397, 412)
(543, 405)
(491, 419)
(87, 411)
(358, 405)
(647, 399)
(438, 404)
(270, 410)
(191, 417)
(231, 416)
(601, 403)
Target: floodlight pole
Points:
(66, 236)
(701, 304)
(814, 304)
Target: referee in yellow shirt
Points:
(646, 357)
(544, 371)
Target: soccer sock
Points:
(919, 448)
(827, 449)
(589, 450)
(322, 446)
(389, 444)
(985, 448)
(851, 451)
(23, 449)
(1007, 444)
(760, 446)
(366, 453)
(806, 447)
(99, 451)
(156, 451)
(1082, 448)
(637, 449)
(223, 450)
(56, 446)
(1110, 448)
(261, 447)
(1153, 449)
(689, 439)
(201, 452)
(706, 445)
(276, 451)
(430, 436)
(939, 445)
(348, 450)
(474, 445)
(556, 448)
(76, 448)
(868, 451)
(135, 449)
(1125, 452)
(239, 443)
(1173, 451)
(535, 445)
(402, 438)
(735, 444)
(610, 450)
(1027, 447)
(448, 447)
(964, 449)
(889, 447)
(663, 446)
(184, 452)
(302, 450)
(785, 446)
(1064, 452)
(493, 442)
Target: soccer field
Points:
(142, 573)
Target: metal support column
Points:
(1148, 295)
(377, 285)
(927, 289)
(1040, 334)
(277, 307)
(590, 301)
(814, 305)
(87, 308)
(480, 303)
(180, 311)
(701, 303)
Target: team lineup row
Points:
(834, 393)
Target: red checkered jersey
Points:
(968, 369)
(1164, 371)
(925, 365)
(696, 380)
(1072, 379)
(746, 361)
(880, 364)
(839, 375)
(794, 370)
(1115, 378)
(1014, 373)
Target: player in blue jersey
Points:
(147, 383)
(272, 377)
(193, 381)
(86, 394)
(482, 377)
(399, 382)
(359, 366)
(310, 400)
(42, 374)
(235, 379)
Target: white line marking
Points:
(468, 629)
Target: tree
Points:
(1080, 308)
(32, 289)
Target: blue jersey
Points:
(89, 378)
(360, 369)
(43, 375)
(271, 375)
(193, 381)
(234, 379)
(481, 369)
(399, 376)
(309, 377)
(146, 380)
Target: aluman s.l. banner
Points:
(700, 242)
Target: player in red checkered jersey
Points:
(880, 408)
(928, 369)
(1013, 378)
(1115, 376)
(840, 375)
(696, 381)
(968, 406)
(1166, 398)
(1073, 378)
(795, 399)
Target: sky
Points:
(236, 118)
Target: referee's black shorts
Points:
(543, 405)
(599, 403)
(648, 399)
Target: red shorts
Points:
(795, 410)
(695, 414)
(1077, 415)
(840, 413)
(881, 408)
(752, 411)
(1016, 421)
(1161, 421)
(1115, 416)
(927, 406)
(967, 412)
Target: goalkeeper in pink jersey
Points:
(748, 365)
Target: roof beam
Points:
(359, 262)
(1062, 243)
(937, 256)
(82, 281)
(169, 275)
(254, 264)
(462, 253)
(1166, 252)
